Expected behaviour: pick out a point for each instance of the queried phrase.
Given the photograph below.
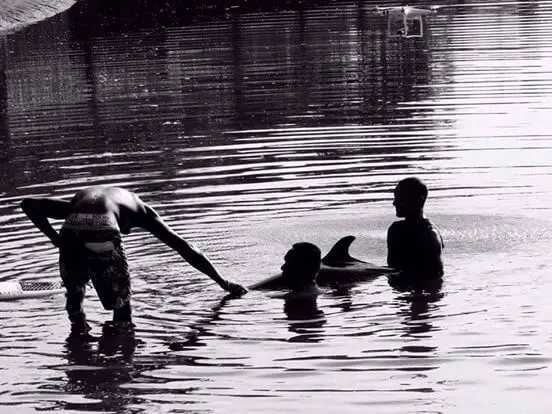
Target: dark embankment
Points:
(122, 15)
(18, 13)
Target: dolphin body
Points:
(337, 267)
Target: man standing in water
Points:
(90, 246)
(414, 244)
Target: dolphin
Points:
(337, 267)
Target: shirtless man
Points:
(299, 272)
(414, 244)
(300, 269)
(90, 246)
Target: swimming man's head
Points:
(410, 196)
(301, 264)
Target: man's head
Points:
(301, 264)
(410, 196)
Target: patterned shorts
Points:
(98, 257)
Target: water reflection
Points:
(97, 371)
(113, 104)
(240, 127)
(417, 303)
(146, 90)
(343, 295)
(4, 133)
(115, 16)
(200, 330)
(6, 155)
(304, 317)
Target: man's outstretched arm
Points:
(155, 225)
(40, 209)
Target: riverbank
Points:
(15, 14)
(18, 13)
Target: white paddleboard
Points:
(29, 289)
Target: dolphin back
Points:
(337, 266)
(339, 253)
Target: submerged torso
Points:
(408, 248)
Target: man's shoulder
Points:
(124, 198)
(418, 228)
(117, 192)
(396, 226)
(431, 226)
(434, 232)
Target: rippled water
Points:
(251, 131)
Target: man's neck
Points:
(414, 218)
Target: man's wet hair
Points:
(414, 186)
(309, 252)
(305, 259)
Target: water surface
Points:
(251, 131)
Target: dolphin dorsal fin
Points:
(339, 253)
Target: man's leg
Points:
(76, 289)
(123, 314)
(111, 278)
(75, 311)
(123, 309)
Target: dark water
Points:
(251, 131)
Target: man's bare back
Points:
(90, 243)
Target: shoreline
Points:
(15, 14)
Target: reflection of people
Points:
(415, 305)
(299, 271)
(201, 328)
(303, 316)
(414, 244)
(99, 373)
(90, 246)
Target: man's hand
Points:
(234, 288)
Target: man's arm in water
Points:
(40, 209)
(151, 222)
